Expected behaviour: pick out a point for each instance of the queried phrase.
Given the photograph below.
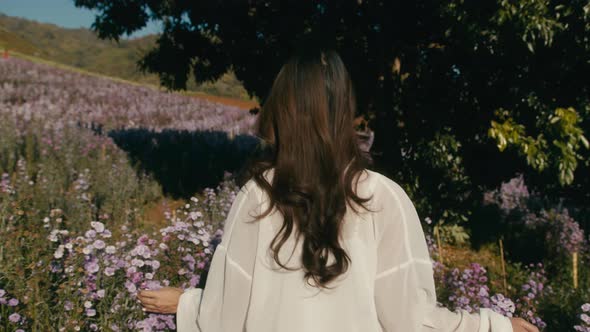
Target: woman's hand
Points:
(161, 301)
(521, 325)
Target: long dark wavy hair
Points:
(307, 134)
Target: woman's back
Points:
(283, 301)
(389, 285)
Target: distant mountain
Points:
(81, 48)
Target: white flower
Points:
(109, 271)
(59, 253)
(98, 226)
(110, 249)
(137, 262)
(87, 250)
(87, 304)
(53, 236)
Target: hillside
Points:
(81, 48)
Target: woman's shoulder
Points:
(387, 188)
(379, 180)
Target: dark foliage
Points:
(432, 77)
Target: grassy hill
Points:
(81, 48)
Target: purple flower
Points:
(131, 288)
(502, 305)
(109, 271)
(194, 281)
(532, 292)
(468, 288)
(15, 317)
(99, 244)
(90, 233)
(90, 312)
(143, 250)
(142, 239)
(92, 266)
(136, 277)
(190, 260)
(137, 262)
(13, 302)
(68, 305)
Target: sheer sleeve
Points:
(223, 304)
(405, 295)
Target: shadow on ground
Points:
(185, 162)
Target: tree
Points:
(460, 94)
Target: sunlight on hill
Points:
(82, 49)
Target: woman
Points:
(314, 241)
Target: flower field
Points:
(69, 97)
(76, 246)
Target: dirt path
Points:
(244, 104)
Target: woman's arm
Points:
(405, 294)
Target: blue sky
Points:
(59, 12)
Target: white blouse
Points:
(389, 286)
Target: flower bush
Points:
(584, 318)
(114, 271)
(531, 293)
(10, 318)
